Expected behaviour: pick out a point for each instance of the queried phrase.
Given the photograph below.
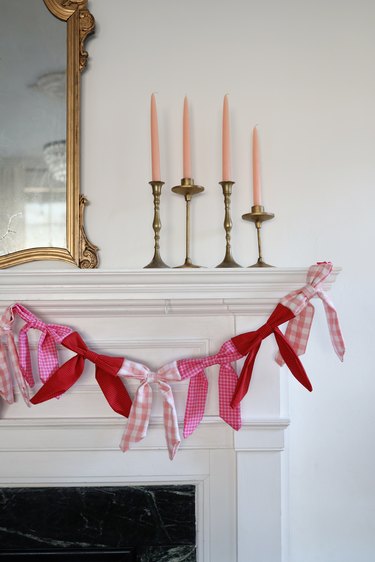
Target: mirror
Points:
(42, 57)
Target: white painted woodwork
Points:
(155, 317)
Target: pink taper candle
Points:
(155, 151)
(186, 142)
(257, 199)
(226, 141)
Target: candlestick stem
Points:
(258, 226)
(187, 230)
(228, 260)
(156, 262)
(258, 216)
(188, 189)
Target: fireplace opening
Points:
(71, 555)
(110, 523)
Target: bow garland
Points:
(111, 372)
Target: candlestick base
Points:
(188, 264)
(260, 263)
(258, 216)
(156, 262)
(228, 260)
(188, 189)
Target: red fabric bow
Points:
(105, 374)
(249, 344)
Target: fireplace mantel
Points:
(155, 317)
(264, 284)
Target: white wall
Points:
(304, 71)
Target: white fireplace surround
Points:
(155, 317)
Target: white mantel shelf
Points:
(234, 284)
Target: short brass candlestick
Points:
(156, 262)
(258, 215)
(228, 260)
(188, 189)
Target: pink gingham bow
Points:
(8, 354)
(139, 415)
(51, 334)
(298, 328)
(198, 387)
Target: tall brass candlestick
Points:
(228, 260)
(188, 189)
(156, 262)
(258, 216)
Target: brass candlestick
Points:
(228, 260)
(258, 215)
(156, 261)
(188, 189)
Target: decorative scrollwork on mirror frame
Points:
(77, 249)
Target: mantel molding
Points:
(103, 434)
(264, 286)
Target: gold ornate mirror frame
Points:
(80, 23)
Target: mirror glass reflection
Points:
(32, 127)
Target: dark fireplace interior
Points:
(98, 524)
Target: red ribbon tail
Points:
(61, 380)
(114, 391)
(245, 376)
(292, 360)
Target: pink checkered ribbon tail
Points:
(298, 329)
(6, 381)
(140, 412)
(195, 402)
(51, 334)
(9, 357)
(198, 387)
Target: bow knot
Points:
(266, 330)
(91, 355)
(309, 291)
(152, 377)
(139, 416)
